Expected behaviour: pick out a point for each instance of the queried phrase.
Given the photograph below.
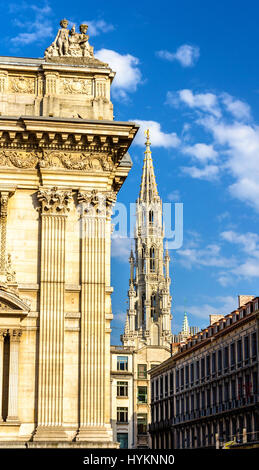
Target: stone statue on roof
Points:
(68, 43)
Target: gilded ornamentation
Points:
(76, 86)
(54, 201)
(22, 84)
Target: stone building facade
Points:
(63, 160)
(147, 334)
(207, 394)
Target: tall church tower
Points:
(149, 316)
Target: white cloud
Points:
(174, 196)
(239, 109)
(186, 55)
(201, 152)
(237, 141)
(128, 75)
(157, 136)
(248, 244)
(207, 102)
(96, 27)
(209, 172)
(120, 248)
(210, 255)
(223, 306)
(36, 30)
(240, 143)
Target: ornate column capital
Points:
(96, 203)
(3, 333)
(15, 335)
(54, 200)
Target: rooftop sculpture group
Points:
(68, 43)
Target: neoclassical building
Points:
(147, 337)
(206, 395)
(63, 160)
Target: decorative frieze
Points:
(76, 86)
(22, 84)
(19, 159)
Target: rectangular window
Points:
(187, 375)
(166, 384)
(142, 394)
(152, 390)
(122, 415)
(219, 360)
(142, 423)
(233, 389)
(239, 351)
(254, 345)
(197, 370)
(142, 371)
(208, 364)
(202, 368)
(192, 373)
(177, 379)
(213, 363)
(198, 400)
(122, 389)
(171, 382)
(233, 354)
(246, 347)
(122, 438)
(122, 362)
(226, 361)
(226, 391)
(182, 377)
(161, 386)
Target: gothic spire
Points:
(148, 187)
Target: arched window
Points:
(153, 306)
(151, 217)
(143, 260)
(152, 259)
(143, 309)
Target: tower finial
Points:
(147, 143)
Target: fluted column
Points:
(51, 342)
(15, 336)
(93, 284)
(2, 335)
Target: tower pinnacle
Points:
(148, 187)
(149, 314)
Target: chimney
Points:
(243, 299)
(215, 318)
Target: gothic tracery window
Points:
(152, 259)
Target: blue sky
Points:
(189, 69)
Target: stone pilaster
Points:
(94, 425)
(51, 342)
(2, 335)
(4, 196)
(15, 336)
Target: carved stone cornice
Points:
(94, 203)
(35, 135)
(54, 201)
